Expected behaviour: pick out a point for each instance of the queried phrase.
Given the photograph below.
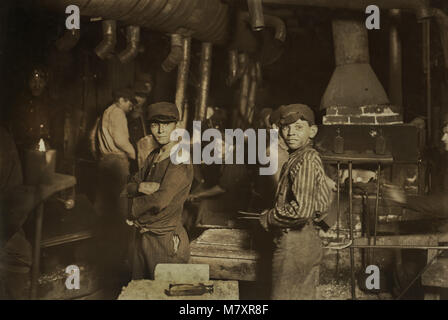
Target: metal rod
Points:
(418, 275)
(352, 252)
(385, 246)
(182, 78)
(205, 71)
(36, 251)
(338, 216)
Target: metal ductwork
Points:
(206, 19)
(106, 47)
(419, 7)
(69, 40)
(182, 79)
(176, 53)
(132, 39)
(204, 88)
(353, 83)
(255, 8)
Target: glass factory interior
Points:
(380, 102)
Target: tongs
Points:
(248, 215)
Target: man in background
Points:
(115, 151)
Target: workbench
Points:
(229, 252)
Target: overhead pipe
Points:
(105, 48)
(69, 40)
(395, 60)
(176, 53)
(256, 14)
(233, 67)
(132, 39)
(207, 19)
(419, 7)
(205, 71)
(182, 78)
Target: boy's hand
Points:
(264, 220)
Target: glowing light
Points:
(42, 145)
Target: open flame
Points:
(42, 145)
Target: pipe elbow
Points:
(107, 45)
(133, 38)
(278, 25)
(176, 54)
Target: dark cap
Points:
(163, 112)
(125, 93)
(293, 112)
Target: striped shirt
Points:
(302, 189)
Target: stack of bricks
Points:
(368, 115)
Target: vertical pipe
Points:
(256, 14)
(252, 94)
(376, 208)
(352, 252)
(182, 78)
(395, 60)
(36, 251)
(205, 71)
(244, 93)
(427, 70)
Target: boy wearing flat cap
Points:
(157, 194)
(302, 192)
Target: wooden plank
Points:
(179, 273)
(437, 274)
(229, 269)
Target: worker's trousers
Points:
(151, 249)
(295, 264)
(113, 173)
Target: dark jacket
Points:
(160, 212)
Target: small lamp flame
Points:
(42, 145)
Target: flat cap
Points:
(163, 112)
(293, 112)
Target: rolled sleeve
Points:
(301, 207)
